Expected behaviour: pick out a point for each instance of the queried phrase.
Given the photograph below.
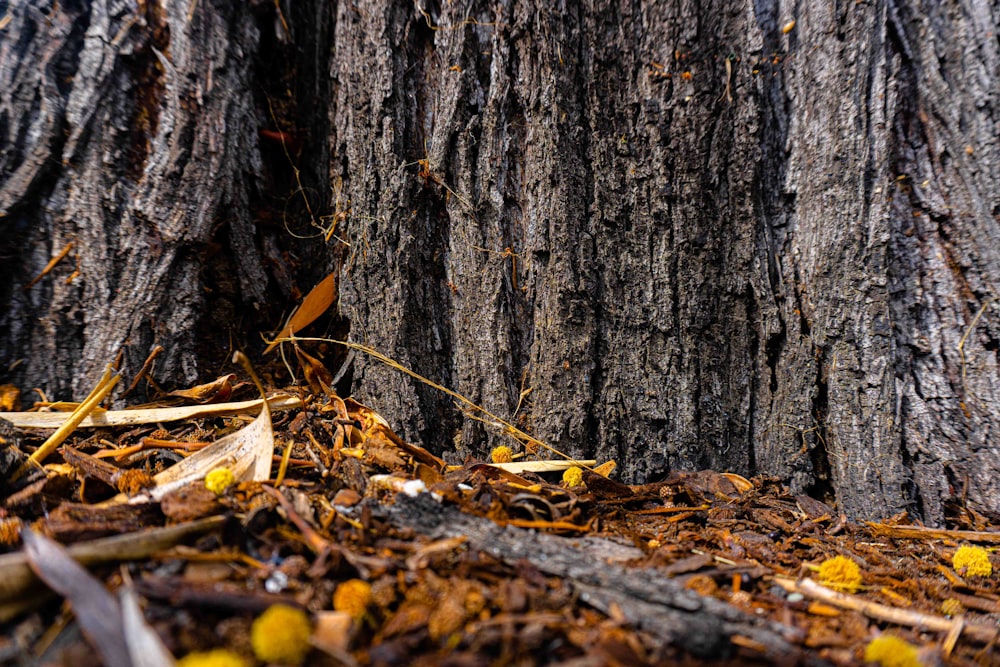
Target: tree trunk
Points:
(130, 135)
(674, 234)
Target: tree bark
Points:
(130, 135)
(673, 234)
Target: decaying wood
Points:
(646, 598)
(20, 588)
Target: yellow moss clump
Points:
(573, 476)
(891, 651)
(218, 480)
(972, 561)
(502, 454)
(353, 596)
(840, 573)
(281, 635)
(219, 657)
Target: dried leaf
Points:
(247, 453)
(216, 390)
(317, 375)
(10, 397)
(605, 488)
(147, 416)
(742, 484)
(333, 631)
(606, 468)
(145, 647)
(97, 611)
(315, 304)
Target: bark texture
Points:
(698, 238)
(129, 129)
(676, 234)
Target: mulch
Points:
(473, 564)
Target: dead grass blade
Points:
(98, 394)
(921, 533)
(148, 415)
(505, 426)
(517, 467)
(97, 611)
(145, 648)
(808, 587)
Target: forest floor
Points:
(358, 548)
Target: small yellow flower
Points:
(951, 607)
(218, 480)
(353, 596)
(972, 561)
(891, 651)
(573, 476)
(281, 635)
(219, 657)
(840, 573)
(502, 454)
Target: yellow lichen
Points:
(891, 651)
(573, 476)
(972, 562)
(502, 454)
(840, 573)
(353, 596)
(281, 635)
(219, 657)
(218, 480)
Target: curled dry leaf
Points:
(219, 389)
(315, 304)
(247, 453)
(317, 375)
(741, 483)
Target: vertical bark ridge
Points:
(679, 235)
(144, 128)
(945, 251)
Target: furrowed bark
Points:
(677, 235)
